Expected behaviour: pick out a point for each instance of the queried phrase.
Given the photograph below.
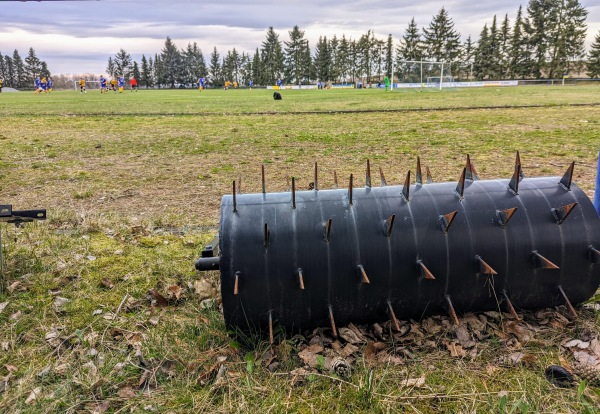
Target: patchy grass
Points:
(133, 183)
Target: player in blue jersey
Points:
(121, 83)
(38, 85)
(49, 84)
(103, 84)
(44, 85)
(250, 83)
(279, 83)
(201, 83)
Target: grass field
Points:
(132, 183)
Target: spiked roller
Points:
(302, 259)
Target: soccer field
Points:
(132, 183)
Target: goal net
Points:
(423, 74)
(89, 85)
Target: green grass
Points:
(132, 184)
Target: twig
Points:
(115, 316)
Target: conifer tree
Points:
(257, 77)
(505, 47)
(145, 75)
(122, 63)
(171, 64)
(19, 74)
(135, 71)
(214, 69)
(322, 60)
(593, 63)
(519, 50)
(389, 55)
(295, 59)
(33, 65)
(9, 72)
(442, 42)
(271, 57)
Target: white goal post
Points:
(89, 85)
(424, 73)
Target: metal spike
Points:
(335, 180)
(383, 182)
(513, 185)
(262, 174)
(429, 177)
(332, 321)
(234, 200)
(560, 214)
(406, 187)
(452, 311)
(350, 190)
(293, 192)
(594, 255)
(368, 175)
(447, 219)
(504, 216)
(270, 327)
(388, 225)
(418, 174)
(239, 185)
(565, 181)
(236, 283)
(425, 272)
(541, 262)
(393, 316)
(316, 182)
(301, 278)
(363, 274)
(509, 305)
(485, 268)
(266, 234)
(568, 302)
(460, 186)
(518, 162)
(328, 230)
(471, 174)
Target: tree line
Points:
(17, 72)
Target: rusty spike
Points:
(446, 220)
(513, 185)
(567, 301)
(332, 321)
(383, 182)
(350, 190)
(541, 262)
(425, 272)
(266, 235)
(594, 255)
(335, 181)
(509, 305)
(485, 268)
(504, 216)
(419, 174)
(262, 176)
(471, 174)
(393, 316)
(236, 283)
(560, 214)
(565, 181)
(452, 311)
(388, 225)
(429, 177)
(368, 175)
(293, 192)
(271, 327)
(239, 185)
(460, 186)
(328, 230)
(363, 274)
(316, 182)
(301, 278)
(406, 187)
(234, 200)
(518, 162)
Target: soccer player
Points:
(386, 81)
(103, 84)
(250, 83)
(113, 85)
(82, 86)
(133, 84)
(121, 83)
(201, 82)
(1, 80)
(44, 85)
(49, 84)
(279, 83)
(38, 85)
(235, 85)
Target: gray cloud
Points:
(79, 36)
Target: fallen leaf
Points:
(455, 349)
(126, 393)
(464, 337)
(350, 336)
(309, 358)
(175, 291)
(520, 330)
(517, 358)
(2, 306)
(33, 396)
(576, 343)
(13, 286)
(414, 382)
(101, 408)
(204, 289)
(161, 302)
(348, 350)
(15, 316)
(107, 283)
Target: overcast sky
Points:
(79, 36)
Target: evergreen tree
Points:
(538, 28)
(442, 42)
(110, 67)
(567, 48)
(295, 59)
(257, 77)
(467, 56)
(342, 62)
(333, 45)
(593, 63)
(519, 50)
(135, 72)
(2, 67)
(272, 58)
(194, 64)
(322, 60)
(44, 72)
(494, 64)
(158, 71)
(389, 56)
(122, 63)
(33, 65)
(9, 72)
(409, 49)
(482, 56)
(505, 36)
(20, 76)
(172, 64)
(214, 70)
(145, 75)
